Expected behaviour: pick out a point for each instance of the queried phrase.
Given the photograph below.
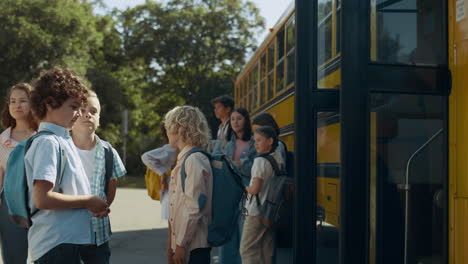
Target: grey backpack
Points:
(271, 210)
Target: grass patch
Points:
(131, 182)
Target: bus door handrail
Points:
(406, 187)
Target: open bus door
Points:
(390, 115)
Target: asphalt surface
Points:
(139, 235)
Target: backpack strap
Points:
(273, 163)
(109, 158)
(183, 174)
(62, 158)
(61, 168)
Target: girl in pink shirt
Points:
(241, 150)
(240, 146)
(19, 125)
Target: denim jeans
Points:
(13, 239)
(229, 253)
(63, 253)
(200, 256)
(92, 254)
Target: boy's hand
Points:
(179, 255)
(96, 205)
(169, 256)
(102, 214)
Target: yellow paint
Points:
(458, 140)
(373, 31)
(283, 112)
(289, 141)
(328, 197)
(331, 81)
(329, 144)
(461, 235)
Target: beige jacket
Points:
(190, 211)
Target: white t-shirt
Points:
(262, 169)
(87, 158)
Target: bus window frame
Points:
(322, 23)
(278, 61)
(337, 34)
(263, 79)
(290, 22)
(272, 71)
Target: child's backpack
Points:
(154, 183)
(109, 161)
(227, 195)
(16, 192)
(289, 161)
(284, 227)
(271, 211)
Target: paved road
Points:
(139, 235)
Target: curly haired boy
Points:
(62, 223)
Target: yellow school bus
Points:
(267, 84)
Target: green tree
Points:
(147, 59)
(194, 49)
(38, 34)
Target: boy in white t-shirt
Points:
(92, 151)
(257, 238)
(61, 220)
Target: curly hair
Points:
(53, 87)
(7, 119)
(189, 124)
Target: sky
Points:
(271, 10)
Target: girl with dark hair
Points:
(265, 119)
(19, 125)
(240, 149)
(240, 146)
(257, 238)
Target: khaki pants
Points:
(256, 245)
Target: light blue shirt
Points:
(54, 227)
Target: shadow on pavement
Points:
(139, 247)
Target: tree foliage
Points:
(146, 59)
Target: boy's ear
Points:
(50, 103)
(270, 141)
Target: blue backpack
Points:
(16, 192)
(227, 195)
